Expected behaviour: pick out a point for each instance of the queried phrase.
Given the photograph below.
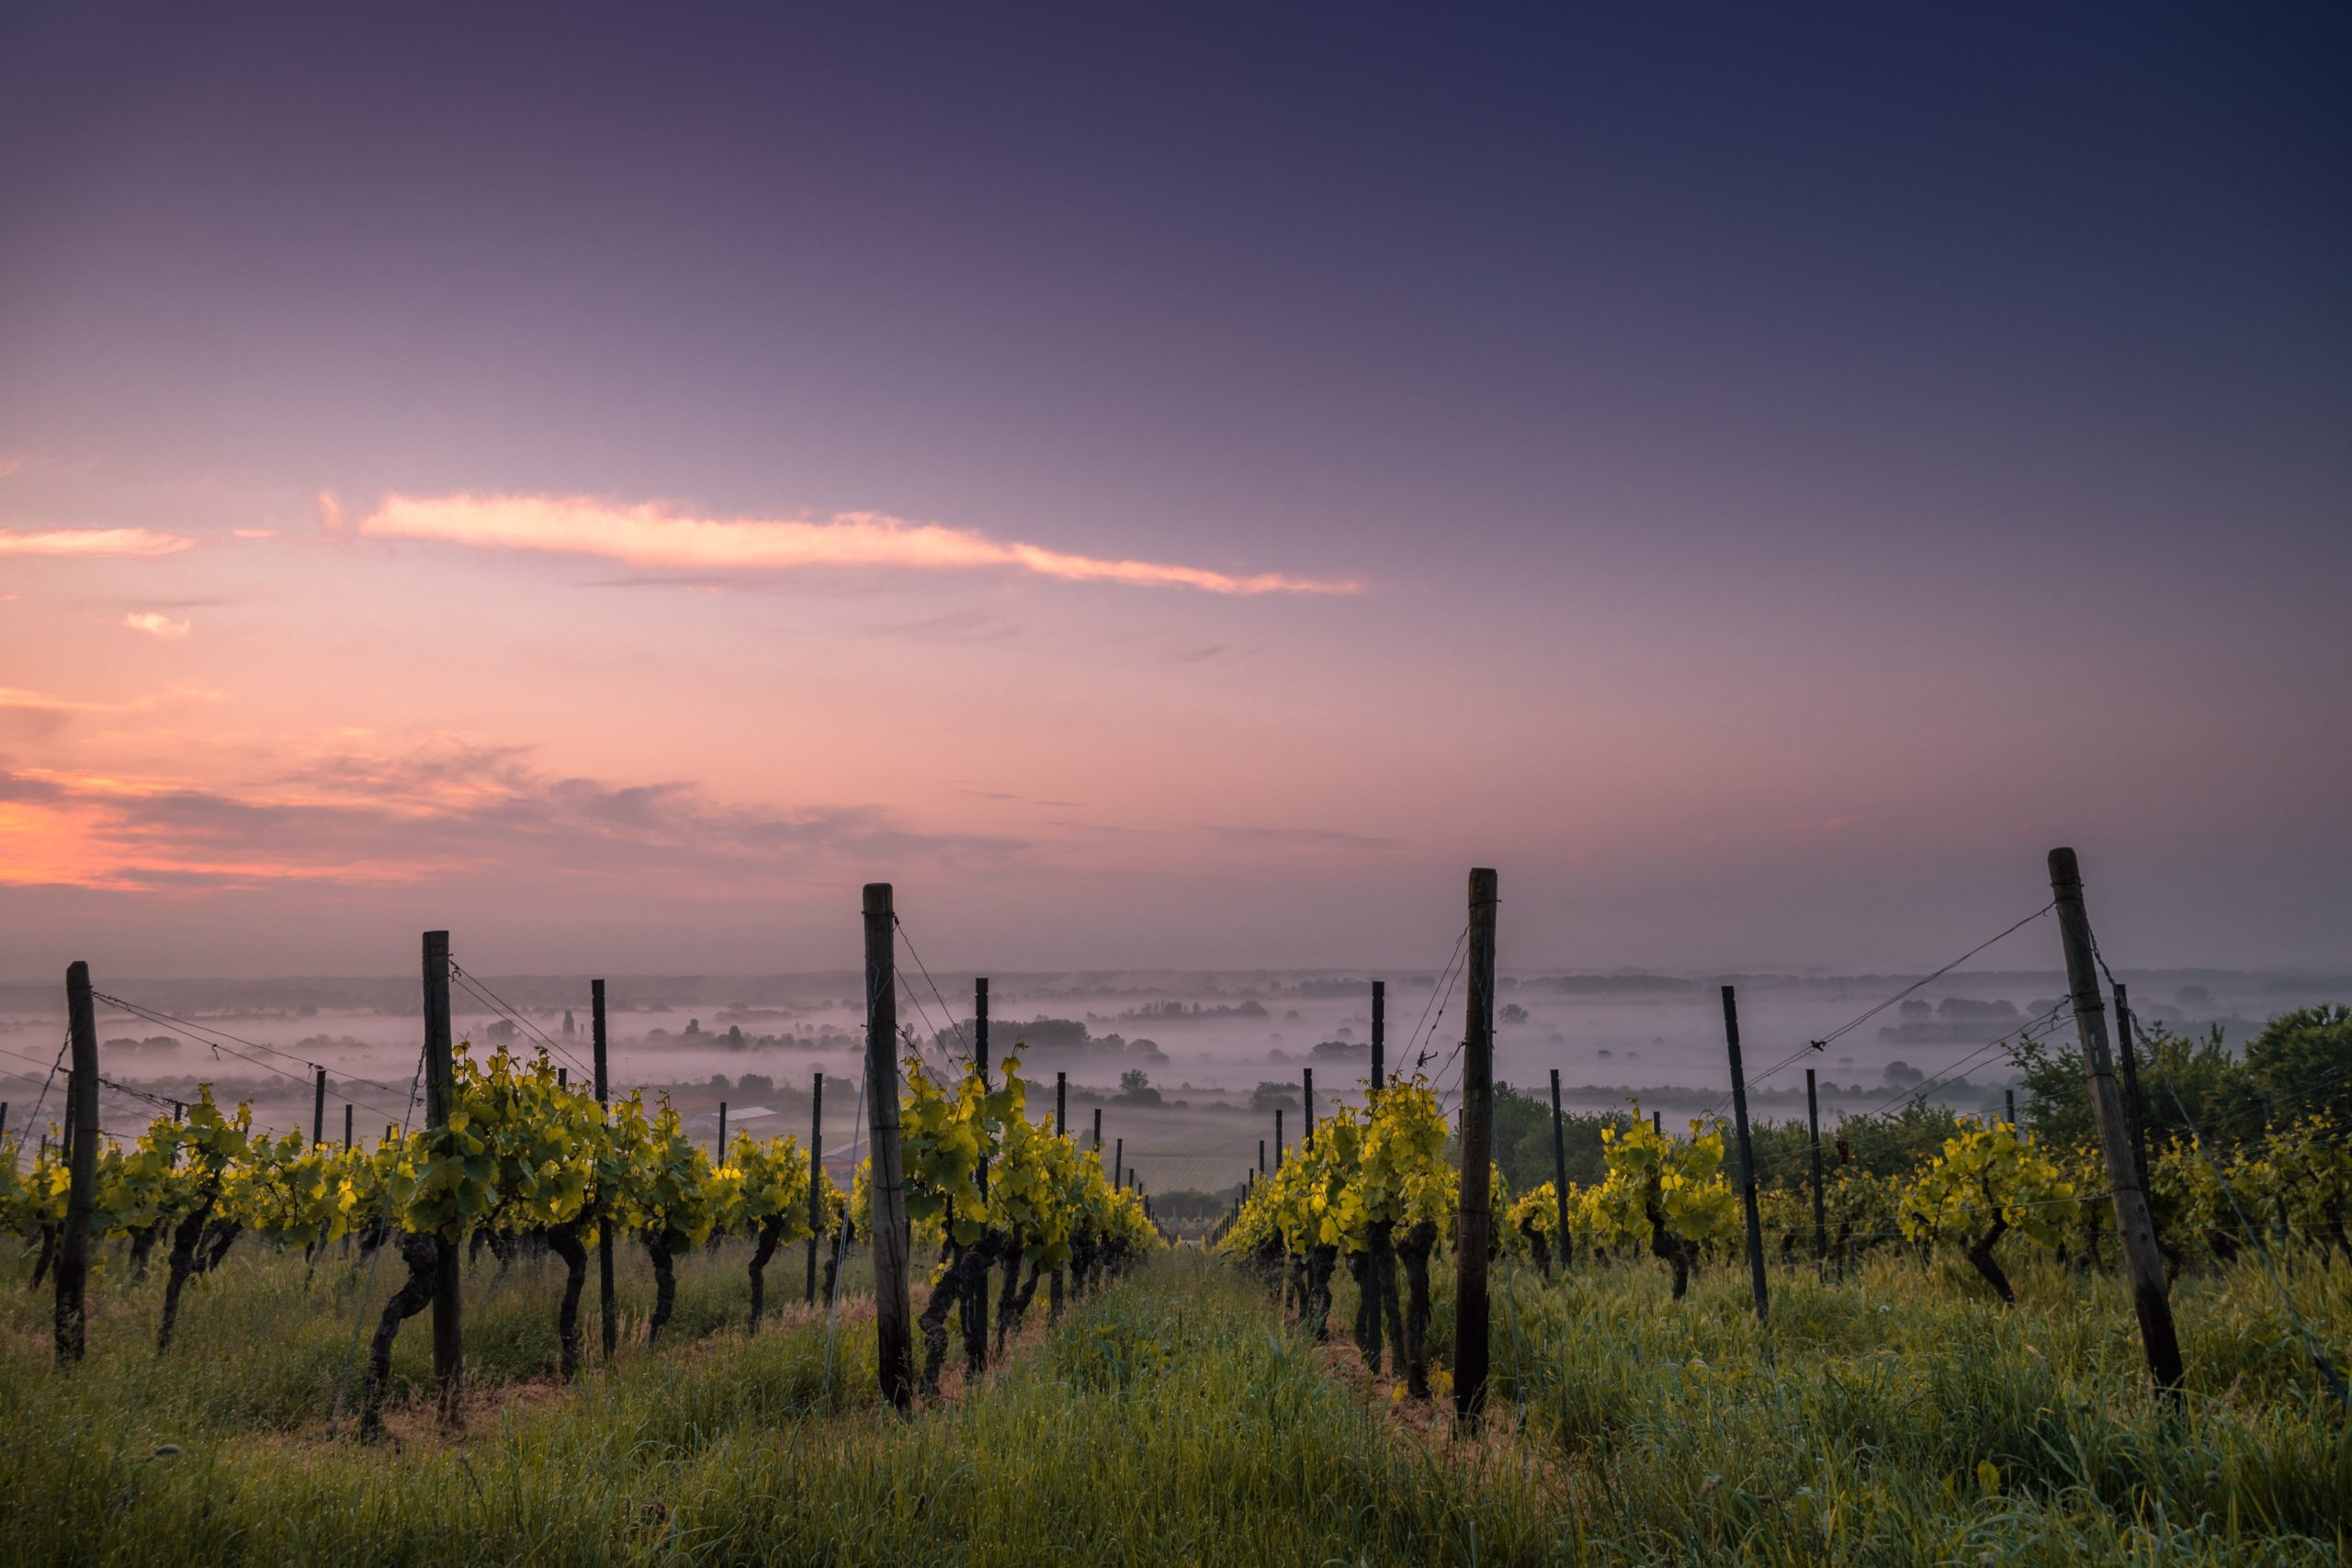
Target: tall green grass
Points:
(1896, 1418)
(1903, 1415)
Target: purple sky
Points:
(609, 482)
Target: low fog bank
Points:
(1188, 1067)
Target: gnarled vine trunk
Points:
(422, 1256)
(48, 1253)
(965, 1278)
(222, 1235)
(142, 1243)
(565, 1243)
(185, 1236)
(1320, 1262)
(933, 1322)
(1384, 1279)
(1539, 1245)
(1009, 1301)
(771, 1235)
(665, 1282)
(1414, 1250)
(1980, 1253)
(1367, 1324)
(1676, 1251)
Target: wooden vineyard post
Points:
(609, 1313)
(980, 1026)
(1560, 1168)
(1278, 1137)
(1658, 1122)
(346, 1126)
(1118, 1165)
(440, 1094)
(2133, 1109)
(974, 1306)
(1746, 1153)
(887, 1219)
(980, 1054)
(1062, 1105)
(2151, 1298)
(1820, 1211)
(719, 1155)
(82, 1164)
(319, 1109)
(2009, 1099)
(1379, 1039)
(1306, 1096)
(1261, 1157)
(1476, 1220)
(816, 1178)
(1098, 1133)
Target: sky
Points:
(1170, 486)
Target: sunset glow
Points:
(1182, 510)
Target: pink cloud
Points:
(437, 812)
(157, 625)
(127, 543)
(654, 536)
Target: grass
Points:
(1896, 1418)
(1903, 1416)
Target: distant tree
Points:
(1050, 1034)
(1272, 1097)
(2177, 1075)
(2300, 1060)
(1135, 1089)
(1966, 1011)
(1523, 1139)
(1339, 1050)
(1512, 1013)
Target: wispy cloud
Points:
(651, 536)
(450, 809)
(157, 625)
(134, 543)
(953, 626)
(1303, 837)
(16, 699)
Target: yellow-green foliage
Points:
(1680, 1180)
(1986, 1174)
(762, 1186)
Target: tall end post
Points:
(2151, 1291)
(1474, 1227)
(887, 1228)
